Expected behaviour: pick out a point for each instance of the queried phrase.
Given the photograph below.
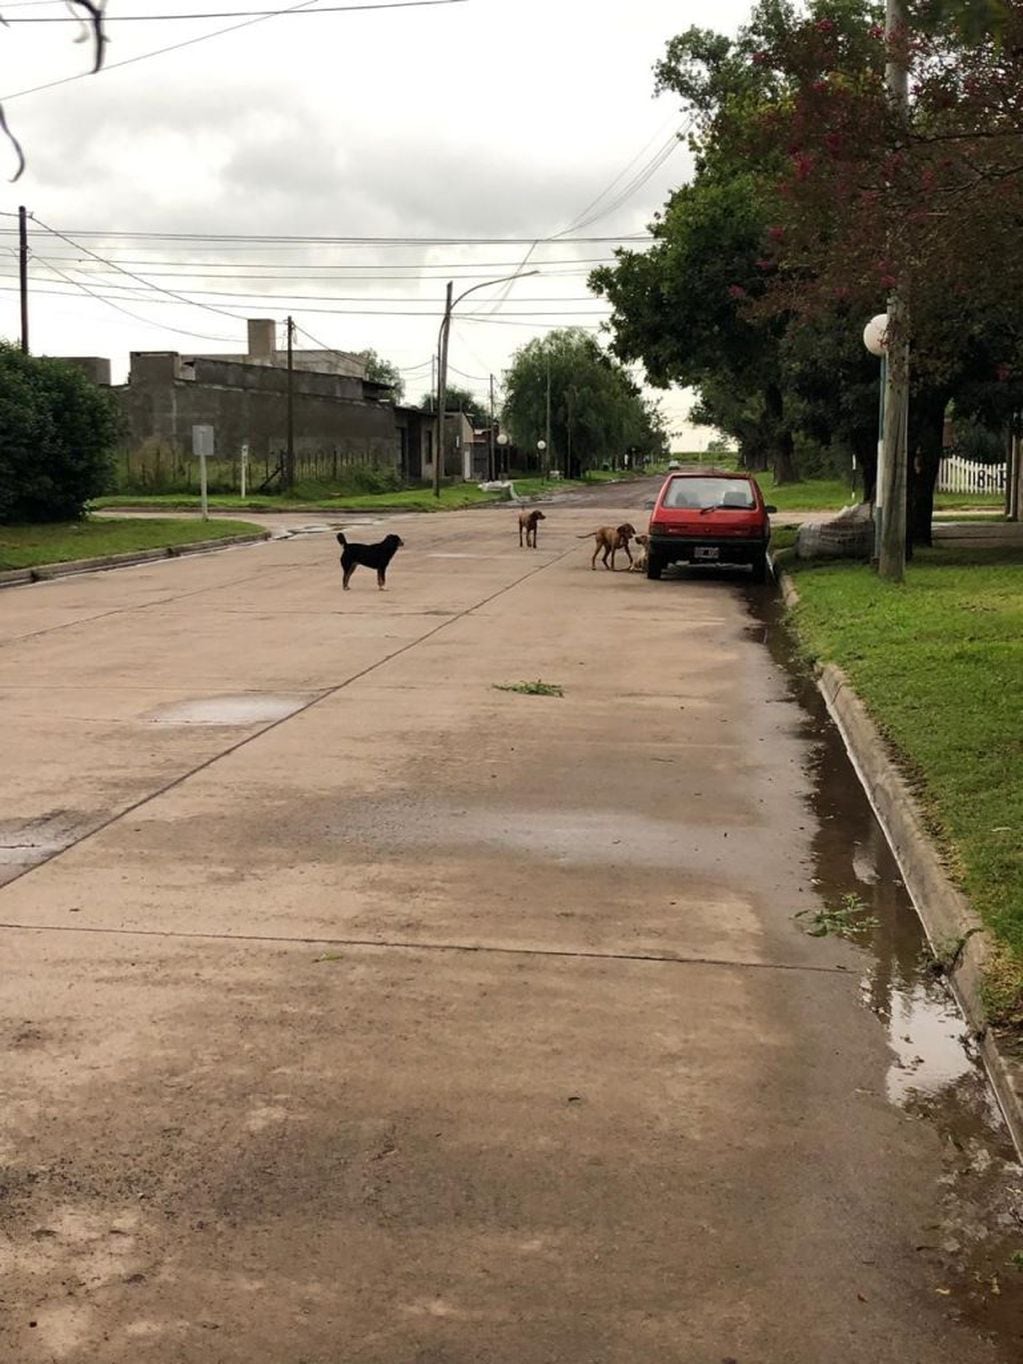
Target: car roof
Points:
(702, 471)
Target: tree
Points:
(57, 432)
(681, 307)
(868, 200)
(381, 371)
(597, 412)
(460, 400)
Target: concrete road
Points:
(358, 1012)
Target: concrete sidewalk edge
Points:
(15, 577)
(952, 926)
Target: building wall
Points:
(263, 350)
(166, 395)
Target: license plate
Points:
(706, 552)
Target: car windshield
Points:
(704, 493)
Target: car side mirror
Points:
(769, 509)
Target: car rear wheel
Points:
(654, 566)
(760, 568)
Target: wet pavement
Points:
(356, 1009)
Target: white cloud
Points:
(499, 118)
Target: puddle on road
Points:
(248, 708)
(24, 843)
(935, 1075)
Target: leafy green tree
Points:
(683, 308)
(381, 371)
(598, 413)
(57, 433)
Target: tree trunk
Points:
(926, 437)
(782, 444)
(866, 462)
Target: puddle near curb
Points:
(251, 708)
(934, 1075)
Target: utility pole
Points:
(892, 549)
(442, 390)
(289, 458)
(547, 452)
(490, 458)
(23, 272)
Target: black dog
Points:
(370, 556)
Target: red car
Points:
(706, 516)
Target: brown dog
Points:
(639, 565)
(528, 522)
(610, 539)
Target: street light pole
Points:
(891, 559)
(547, 471)
(289, 457)
(491, 470)
(442, 360)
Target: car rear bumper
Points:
(673, 549)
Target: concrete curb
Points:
(45, 572)
(952, 926)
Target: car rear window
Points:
(709, 492)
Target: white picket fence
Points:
(957, 475)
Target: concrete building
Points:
(341, 417)
(263, 350)
(168, 394)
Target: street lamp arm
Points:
(442, 362)
(505, 279)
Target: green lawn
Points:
(452, 497)
(32, 546)
(939, 663)
(316, 497)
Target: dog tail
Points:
(587, 536)
(341, 539)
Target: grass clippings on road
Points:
(61, 542)
(536, 688)
(938, 662)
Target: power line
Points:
(608, 188)
(179, 298)
(330, 312)
(241, 270)
(147, 321)
(376, 242)
(232, 13)
(201, 38)
(282, 298)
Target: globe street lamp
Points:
(875, 338)
(502, 441)
(442, 357)
(541, 446)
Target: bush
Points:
(57, 430)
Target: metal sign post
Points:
(202, 445)
(245, 466)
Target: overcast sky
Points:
(485, 119)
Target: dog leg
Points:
(520, 537)
(382, 579)
(346, 577)
(628, 552)
(593, 561)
